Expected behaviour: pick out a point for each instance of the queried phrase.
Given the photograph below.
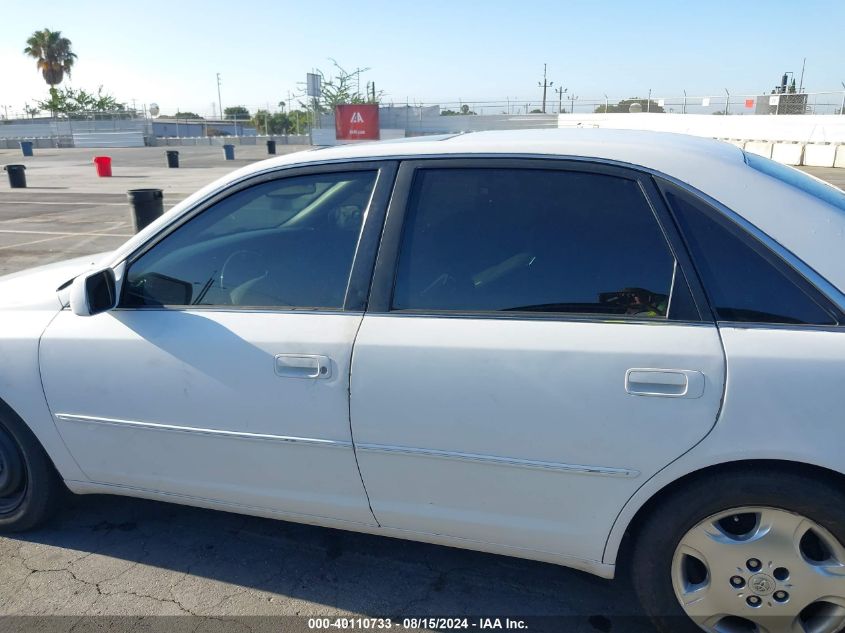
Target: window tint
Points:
(285, 243)
(742, 284)
(531, 240)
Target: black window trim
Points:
(727, 221)
(384, 276)
(357, 289)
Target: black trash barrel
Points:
(229, 152)
(172, 158)
(26, 148)
(17, 177)
(147, 206)
(271, 146)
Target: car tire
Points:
(30, 488)
(661, 568)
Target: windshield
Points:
(798, 179)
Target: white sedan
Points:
(567, 346)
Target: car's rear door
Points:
(533, 352)
(223, 375)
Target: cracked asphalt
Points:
(112, 563)
(115, 557)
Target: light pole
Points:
(219, 100)
(544, 85)
(572, 98)
(605, 103)
(727, 102)
(560, 92)
(648, 103)
(842, 109)
(684, 110)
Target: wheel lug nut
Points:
(753, 601)
(753, 564)
(781, 596)
(738, 582)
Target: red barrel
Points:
(103, 165)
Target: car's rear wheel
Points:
(753, 552)
(30, 488)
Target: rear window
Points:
(798, 179)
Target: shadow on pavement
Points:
(326, 571)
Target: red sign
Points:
(356, 122)
(749, 103)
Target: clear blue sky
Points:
(426, 51)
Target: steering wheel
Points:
(240, 267)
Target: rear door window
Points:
(532, 240)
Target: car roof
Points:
(658, 151)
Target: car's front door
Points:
(533, 352)
(224, 373)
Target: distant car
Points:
(560, 345)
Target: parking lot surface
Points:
(109, 556)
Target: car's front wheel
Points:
(30, 488)
(753, 551)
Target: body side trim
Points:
(495, 460)
(305, 441)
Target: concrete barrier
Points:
(761, 148)
(819, 155)
(788, 153)
(840, 156)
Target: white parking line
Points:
(46, 239)
(63, 233)
(87, 204)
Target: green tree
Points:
(70, 101)
(238, 113)
(625, 106)
(53, 56)
(464, 110)
(293, 122)
(342, 88)
(187, 115)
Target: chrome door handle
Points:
(303, 366)
(665, 383)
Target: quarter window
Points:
(532, 240)
(742, 279)
(285, 243)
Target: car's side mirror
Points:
(93, 292)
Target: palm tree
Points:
(52, 54)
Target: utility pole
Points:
(648, 103)
(560, 92)
(546, 84)
(219, 100)
(684, 111)
(727, 102)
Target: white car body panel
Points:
(784, 401)
(433, 400)
(532, 417)
(223, 424)
(28, 302)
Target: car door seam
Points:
(349, 418)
